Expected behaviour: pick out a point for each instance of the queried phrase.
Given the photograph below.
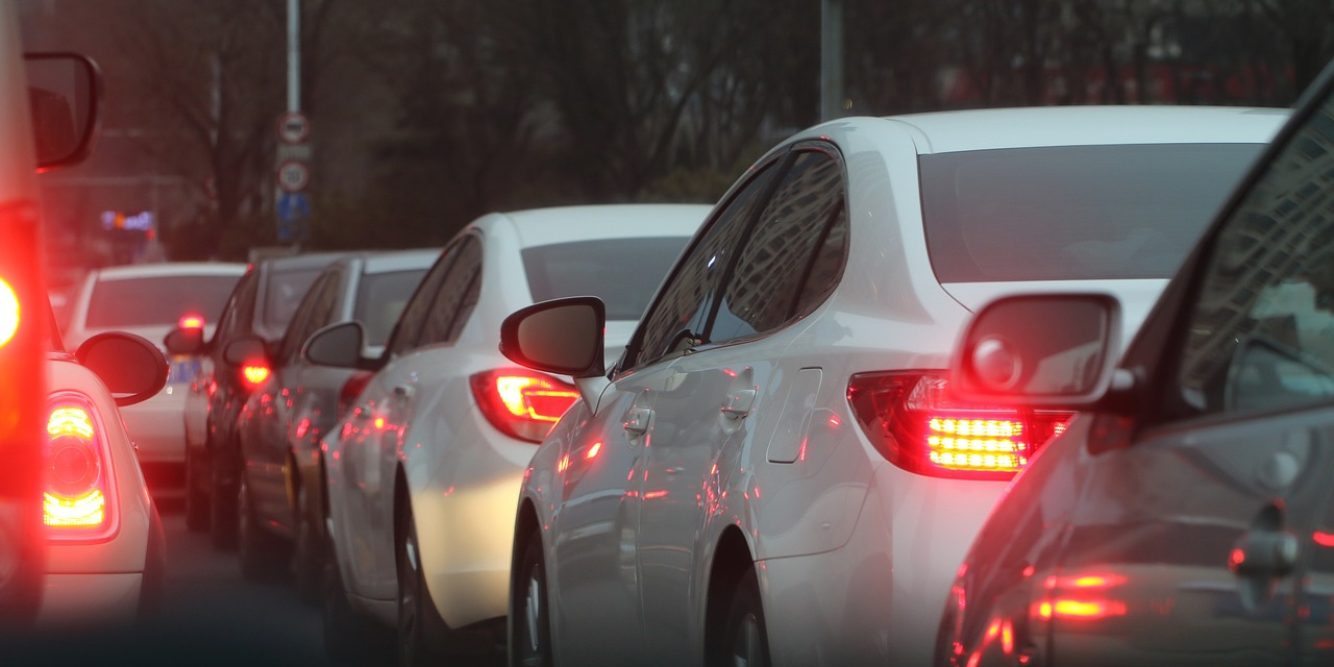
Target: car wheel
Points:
(222, 510)
(530, 633)
(413, 645)
(262, 554)
(308, 556)
(350, 638)
(745, 641)
(196, 502)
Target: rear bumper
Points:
(91, 598)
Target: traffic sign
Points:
(293, 209)
(293, 127)
(293, 176)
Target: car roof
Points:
(988, 129)
(171, 269)
(564, 224)
(399, 260)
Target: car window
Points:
(285, 290)
(766, 288)
(302, 323)
(156, 300)
(1261, 335)
(678, 315)
(624, 273)
(240, 308)
(381, 298)
(456, 297)
(408, 330)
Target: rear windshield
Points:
(284, 294)
(1073, 212)
(380, 300)
(622, 272)
(157, 300)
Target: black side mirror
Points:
(337, 345)
(244, 350)
(65, 91)
(1044, 350)
(184, 342)
(562, 336)
(132, 368)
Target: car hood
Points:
(1136, 296)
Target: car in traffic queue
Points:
(261, 305)
(282, 484)
(1187, 516)
(149, 300)
(774, 472)
(424, 469)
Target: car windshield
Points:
(1073, 212)
(285, 290)
(622, 272)
(157, 300)
(381, 298)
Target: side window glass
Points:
(469, 303)
(1261, 336)
(797, 239)
(301, 325)
(679, 314)
(452, 295)
(408, 330)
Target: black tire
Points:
(530, 628)
(745, 639)
(222, 510)
(414, 605)
(350, 638)
(308, 552)
(196, 502)
(263, 555)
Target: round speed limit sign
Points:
(293, 176)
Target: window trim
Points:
(444, 262)
(473, 237)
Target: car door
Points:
(707, 414)
(1205, 540)
(596, 569)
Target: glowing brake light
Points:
(9, 312)
(190, 322)
(255, 374)
(76, 498)
(916, 425)
(522, 403)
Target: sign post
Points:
(292, 169)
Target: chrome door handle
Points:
(637, 421)
(738, 403)
(403, 391)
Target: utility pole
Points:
(293, 56)
(831, 59)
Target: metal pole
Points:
(294, 55)
(831, 59)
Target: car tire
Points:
(308, 551)
(222, 510)
(414, 605)
(262, 554)
(745, 639)
(530, 630)
(196, 502)
(350, 638)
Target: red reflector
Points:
(917, 426)
(522, 403)
(255, 375)
(9, 312)
(190, 322)
(76, 498)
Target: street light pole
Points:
(294, 56)
(831, 59)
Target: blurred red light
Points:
(593, 451)
(190, 322)
(255, 374)
(9, 312)
(522, 403)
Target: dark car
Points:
(1187, 516)
(280, 427)
(258, 311)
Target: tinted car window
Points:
(284, 292)
(765, 287)
(680, 310)
(624, 273)
(407, 331)
(1262, 332)
(381, 298)
(157, 300)
(1073, 212)
(303, 321)
(453, 302)
(236, 318)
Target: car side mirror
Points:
(563, 336)
(184, 342)
(338, 345)
(132, 368)
(65, 91)
(1043, 350)
(245, 350)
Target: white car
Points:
(424, 471)
(774, 472)
(150, 300)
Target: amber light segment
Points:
(70, 421)
(87, 510)
(976, 444)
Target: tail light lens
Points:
(352, 390)
(254, 374)
(916, 425)
(190, 322)
(9, 312)
(77, 498)
(522, 403)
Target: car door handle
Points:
(403, 391)
(738, 403)
(637, 421)
(1265, 554)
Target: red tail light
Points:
(254, 374)
(522, 403)
(352, 390)
(77, 496)
(190, 321)
(9, 312)
(914, 423)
